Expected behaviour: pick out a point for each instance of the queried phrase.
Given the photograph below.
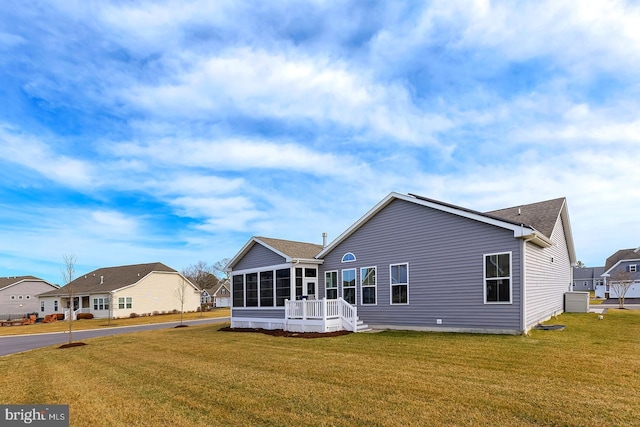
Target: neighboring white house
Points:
(19, 294)
(626, 261)
(120, 291)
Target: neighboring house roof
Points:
(587, 272)
(535, 222)
(290, 250)
(621, 255)
(111, 278)
(7, 282)
(221, 284)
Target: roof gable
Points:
(111, 278)
(288, 249)
(7, 282)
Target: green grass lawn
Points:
(63, 325)
(586, 375)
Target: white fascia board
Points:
(568, 234)
(259, 269)
(518, 230)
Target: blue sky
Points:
(170, 131)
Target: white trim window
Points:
(331, 284)
(368, 286)
(55, 305)
(348, 257)
(633, 268)
(399, 274)
(41, 305)
(497, 278)
(125, 302)
(101, 303)
(349, 285)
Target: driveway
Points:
(629, 303)
(18, 343)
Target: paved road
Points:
(19, 343)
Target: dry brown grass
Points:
(585, 375)
(84, 324)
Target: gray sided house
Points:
(414, 263)
(587, 278)
(19, 294)
(624, 264)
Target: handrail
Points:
(323, 310)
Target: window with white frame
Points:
(497, 278)
(399, 274)
(27, 297)
(266, 288)
(348, 257)
(251, 286)
(101, 303)
(41, 305)
(368, 285)
(331, 284)
(55, 305)
(633, 268)
(349, 285)
(125, 302)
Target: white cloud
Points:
(290, 87)
(34, 154)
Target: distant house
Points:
(19, 294)
(120, 291)
(587, 278)
(622, 261)
(222, 294)
(412, 263)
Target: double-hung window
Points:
(331, 284)
(369, 285)
(349, 285)
(399, 283)
(497, 278)
(125, 302)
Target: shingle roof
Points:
(6, 281)
(293, 249)
(620, 255)
(110, 278)
(541, 215)
(587, 272)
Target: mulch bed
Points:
(73, 344)
(286, 334)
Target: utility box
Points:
(576, 302)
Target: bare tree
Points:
(181, 294)
(202, 275)
(219, 269)
(68, 274)
(620, 283)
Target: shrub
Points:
(84, 316)
(175, 311)
(155, 313)
(133, 315)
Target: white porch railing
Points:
(75, 313)
(324, 314)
